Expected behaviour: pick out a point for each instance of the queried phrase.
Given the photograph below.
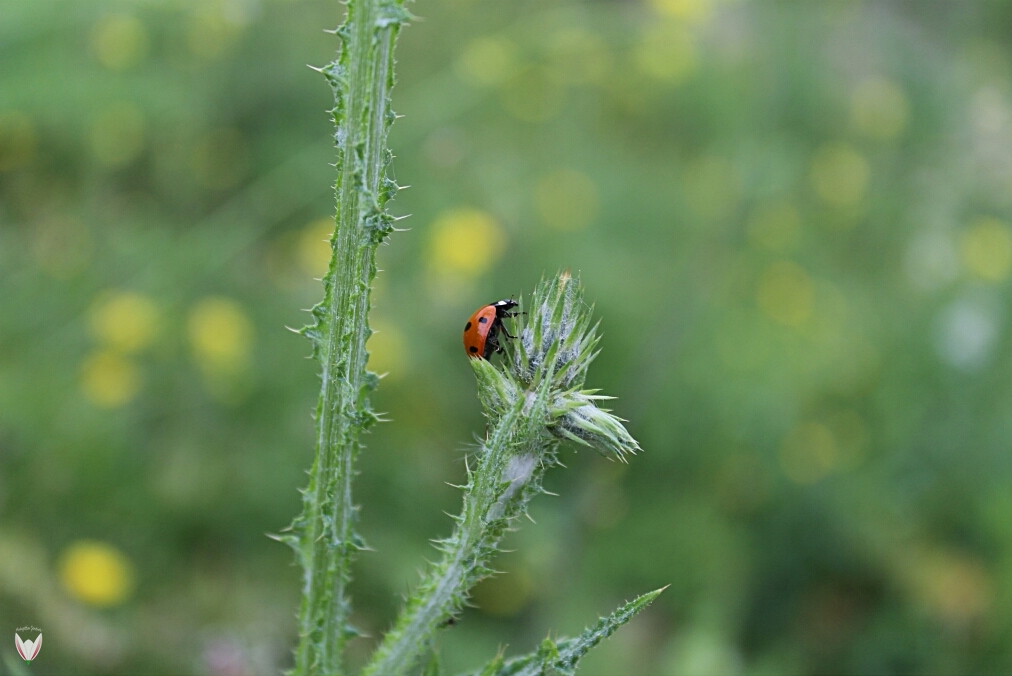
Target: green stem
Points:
(532, 402)
(324, 535)
(508, 474)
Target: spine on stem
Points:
(323, 536)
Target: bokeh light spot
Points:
(221, 335)
(986, 249)
(786, 293)
(117, 135)
(700, 651)
(687, 10)
(712, 187)
(221, 158)
(96, 573)
(120, 41)
(953, 586)
(840, 174)
(504, 595)
(487, 61)
(580, 57)
(125, 321)
(314, 247)
(567, 200)
(210, 34)
(809, 453)
(851, 436)
(17, 140)
(966, 332)
(388, 349)
(110, 380)
(466, 242)
(879, 109)
(667, 52)
(533, 95)
(775, 226)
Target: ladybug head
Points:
(504, 305)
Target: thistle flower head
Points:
(558, 341)
(548, 362)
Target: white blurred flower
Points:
(966, 332)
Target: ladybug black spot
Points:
(467, 327)
(483, 320)
(474, 349)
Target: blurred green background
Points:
(793, 218)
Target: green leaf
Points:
(561, 658)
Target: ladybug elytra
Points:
(481, 333)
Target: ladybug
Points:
(481, 333)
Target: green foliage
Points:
(793, 220)
(561, 657)
(531, 402)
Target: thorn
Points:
(318, 70)
(530, 518)
(293, 330)
(547, 492)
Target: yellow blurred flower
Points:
(809, 453)
(879, 109)
(534, 95)
(567, 200)
(667, 52)
(388, 349)
(953, 586)
(119, 41)
(711, 187)
(786, 293)
(221, 335)
(986, 249)
(17, 140)
(125, 321)
(688, 10)
(775, 226)
(96, 573)
(465, 242)
(840, 174)
(487, 61)
(210, 34)
(110, 380)
(117, 135)
(314, 247)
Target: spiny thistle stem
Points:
(532, 405)
(323, 536)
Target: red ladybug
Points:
(481, 333)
